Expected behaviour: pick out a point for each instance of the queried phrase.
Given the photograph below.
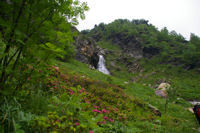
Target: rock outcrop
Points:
(162, 90)
(86, 50)
(149, 52)
(132, 46)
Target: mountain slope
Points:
(138, 52)
(70, 96)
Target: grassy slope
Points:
(185, 85)
(177, 118)
(99, 83)
(185, 82)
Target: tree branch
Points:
(5, 59)
(16, 21)
(17, 59)
(13, 56)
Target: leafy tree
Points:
(191, 56)
(195, 40)
(31, 32)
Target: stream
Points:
(194, 102)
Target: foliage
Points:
(176, 62)
(13, 117)
(33, 32)
(171, 47)
(36, 96)
(177, 108)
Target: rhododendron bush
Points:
(92, 109)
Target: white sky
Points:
(183, 16)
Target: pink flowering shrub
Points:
(106, 103)
(96, 110)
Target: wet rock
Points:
(91, 67)
(86, 50)
(94, 59)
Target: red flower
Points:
(106, 118)
(104, 111)
(111, 120)
(104, 122)
(96, 110)
(71, 92)
(91, 132)
(77, 123)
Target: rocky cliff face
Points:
(131, 45)
(86, 50)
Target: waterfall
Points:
(101, 65)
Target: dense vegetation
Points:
(139, 52)
(43, 89)
(143, 57)
(33, 32)
(169, 46)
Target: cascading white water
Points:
(101, 65)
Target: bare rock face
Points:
(86, 50)
(114, 66)
(161, 93)
(149, 52)
(162, 90)
(133, 67)
(131, 63)
(164, 86)
(131, 45)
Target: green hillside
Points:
(49, 82)
(140, 53)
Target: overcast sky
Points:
(183, 16)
